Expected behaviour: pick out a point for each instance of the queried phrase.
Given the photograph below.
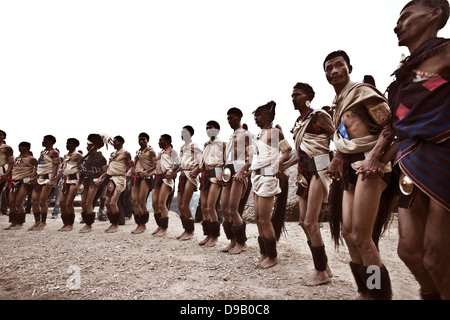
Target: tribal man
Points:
(265, 167)
(312, 134)
(144, 164)
(116, 179)
(419, 99)
(236, 189)
(164, 182)
(211, 166)
(6, 162)
(45, 179)
(70, 186)
(360, 112)
(189, 182)
(22, 170)
(91, 166)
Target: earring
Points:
(308, 103)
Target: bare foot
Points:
(261, 259)
(328, 271)
(68, 227)
(229, 246)
(11, 226)
(139, 229)
(112, 228)
(40, 226)
(34, 225)
(86, 229)
(62, 228)
(316, 278)
(238, 248)
(161, 232)
(204, 241)
(187, 236)
(211, 242)
(17, 227)
(156, 230)
(181, 235)
(268, 263)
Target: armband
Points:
(379, 113)
(284, 146)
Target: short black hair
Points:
(120, 139)
(214, 124)
(50, 138)
(190, 129)
(167, 137)
(236, 112)
(25, 144)
(145, 135)
(306, 88)
(335, 54)
(74, 141)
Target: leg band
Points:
(239, 233)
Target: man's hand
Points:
(371, 168)
(333, 170)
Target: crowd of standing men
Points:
(383, 146)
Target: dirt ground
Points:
(53, 265)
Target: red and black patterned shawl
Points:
(421, 119)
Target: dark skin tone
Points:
(423, 229)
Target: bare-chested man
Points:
(144, 164)
(22, 170)
(189, 181)
(312, 134)
(234, 193)
(265, 167)
(45, 179)
(116, 177)
(361, 110)
(6, 160)
(211, 166)
(164, 182)
(71, 180)
(91, 167)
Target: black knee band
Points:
(377, 289)
(319, 258)
(144, 218)
(20, 218)
(214, 229)
(271, 247)
(355, 268)
(164, 222)
(239, 233)
(37, 216)
(262, 248)
(88, 218)
(70, 218)
(189, 225)
(157, 219)
(205, 227)
(227, 228)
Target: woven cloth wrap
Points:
(45, 168)
(22, 172)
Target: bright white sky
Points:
(70, 68)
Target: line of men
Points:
(382, 146)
